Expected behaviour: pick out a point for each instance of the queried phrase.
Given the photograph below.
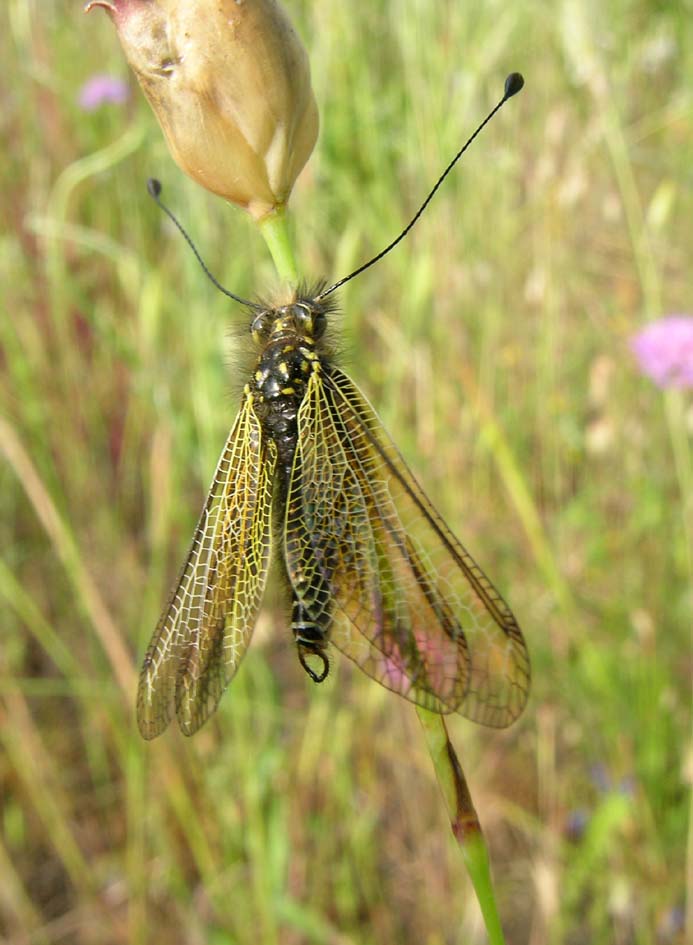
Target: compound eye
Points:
(260, 326)
(319, 324)
(303, 317)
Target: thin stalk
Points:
(463, 818)
(275, 231)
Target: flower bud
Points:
(229, 82)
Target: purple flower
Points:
(600, 777)
(576, 823)
(102, 90)
(672, 924)
(664, 350)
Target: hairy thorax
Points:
(290, 350)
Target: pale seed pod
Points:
(229, 82)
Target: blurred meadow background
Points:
(495, 343)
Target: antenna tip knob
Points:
(513, 84)
(154, 187)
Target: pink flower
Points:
(102, 90)
(664, 350)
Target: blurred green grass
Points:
(495, 344)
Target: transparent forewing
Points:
(411, 606)
(205, 629)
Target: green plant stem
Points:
(463, 818)
(275, 230)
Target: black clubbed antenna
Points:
(513, 84)
(154, 189)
